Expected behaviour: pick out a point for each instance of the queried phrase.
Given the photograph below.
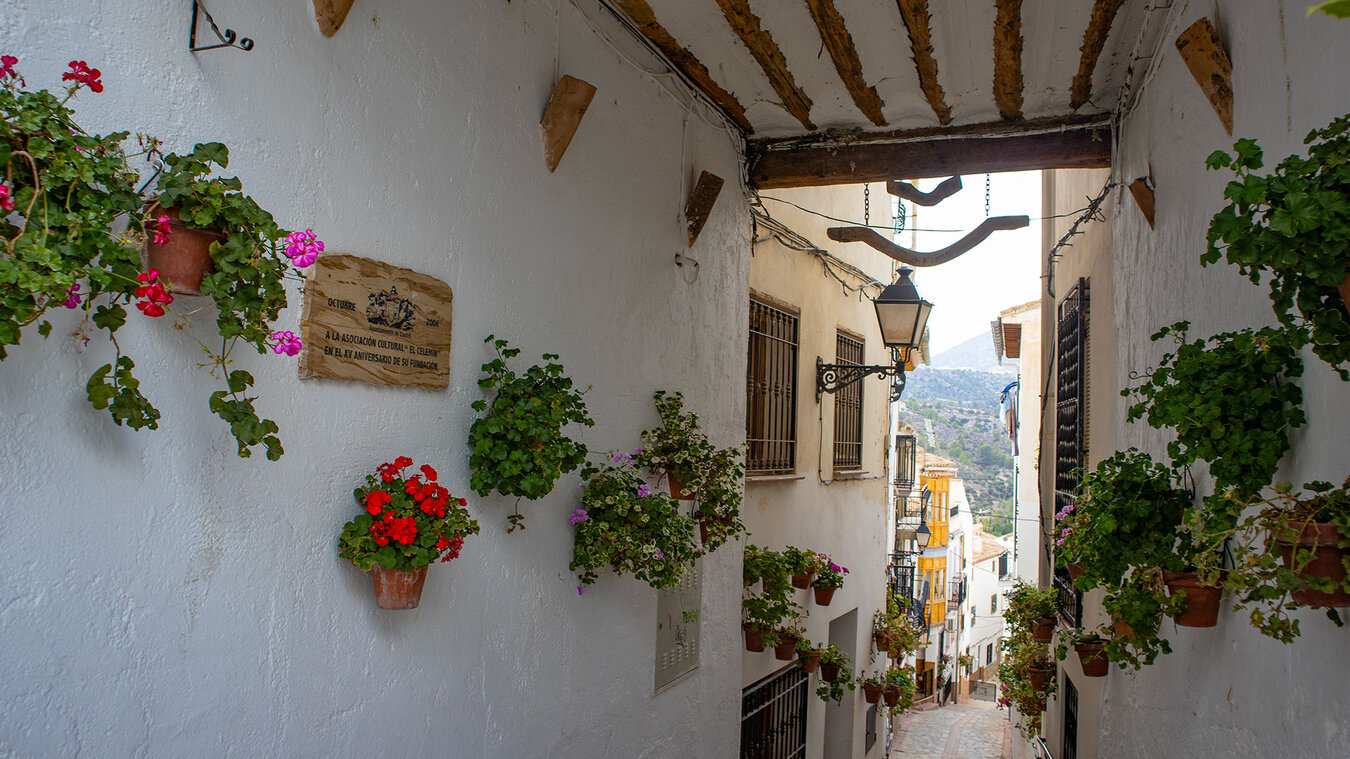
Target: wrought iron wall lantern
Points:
(902, 315)
(923, 535)
(227, 38)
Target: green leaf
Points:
(1337, 8)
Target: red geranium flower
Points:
(403, 462)
(80, 73)
(429, 472)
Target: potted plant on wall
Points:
(1289, 228)
(1089, 645)
(899, 690)
(801, 566)
(719, 500)
(64, 194)
(836, 674)
(626, 526)
(1033, 610)
(678, 448)
(518, 447)
(872, 686)
(808, 654)
(1137, 607)
(829, 578)
(407, 523)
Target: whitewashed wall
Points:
(1225, 691)
(162, 597)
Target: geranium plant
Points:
(1028, 603)
(407, 521)
(828, 574)
(719, 500)
(1137, 607)
(678, 447)
(1291, 227)
(899, 681)
(832, 657)
(518, 447)
(625, 525)
(75, 222)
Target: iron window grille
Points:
(773, 716)
(906, 448)
(848, 407)
(771, 391)
(1070, 416)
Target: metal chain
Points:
(986, 196)
(867, 205)
(899, 217)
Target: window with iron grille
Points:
(771, 391)
(1071, 355)
(848, 407)
(773, 716)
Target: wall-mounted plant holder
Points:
(227, 38)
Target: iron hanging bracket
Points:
(227, 38)
(831, 378)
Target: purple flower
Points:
(644, 490)
(834, 567)
(581, 590)
(659, 554)
(578, 516)
(72, 300)
(303, 247)
(637, 451)
(286, 342)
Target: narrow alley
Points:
(972, 730)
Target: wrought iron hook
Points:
(227, 38)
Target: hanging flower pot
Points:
(808, 661)
(1202, 601)
(786, 648)
(1044, 629)
(882, 641)
(1121, 627)
(872, 692)
(184, 256)
(824, 596)
(1093, 659)
(892, 695)
(754, 639)
(828, 672)
(1039, 677)
(677, 489)
(802, 582)
(1076, 571)
(1321, 538)
(398, 589)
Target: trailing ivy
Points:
(518, 448)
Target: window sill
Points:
(850, 474)
(749, 478)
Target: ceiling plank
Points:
(1008, 58)
(919, 24)
(845, 56)
(941, 256)
(907, 191)
(642, 16)
(1094, 39)
(760, 43)
(1077, 142)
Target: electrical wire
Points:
(889, 227)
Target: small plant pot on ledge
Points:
(808, 661)
(1320, 538)
(872, 692)
(824, 596)
(1093, 659)
(786, 649)
(1202, 601)
(754, 639)
(1044, 629)
(398, 589)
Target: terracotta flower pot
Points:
(828, 672)
(1044, 629)
(1076, 571)
(1093, 659)
(808, 661)
(1202, 601)
(824, 596)
(676, 488)
(1039, 678)
(872, 692)
(185, 258)
(892, 695)
(787, 647)
(754, 639)
(882, 642)
(398, 589)
(1321, 538)
(802, 582)
(1122, 628)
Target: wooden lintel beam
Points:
(931, 153)
(845, 56)
(331, 14)
(907, 191)
(765, 51)
(1008, 58)
(641, 15)
(1200, 47)
(562, 116)
(915, 258)
(1094, 39)
(701, 200)
(919, 25)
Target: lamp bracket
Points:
(831, 378)
(227, 38)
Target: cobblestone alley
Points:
(974, 730)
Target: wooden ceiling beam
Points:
(919, 25)
(839, 43)
(1094, 39)
(765, 51)
(1071, 143)
(911, 257)
(641, 15)
(1008, 58)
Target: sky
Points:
(1001, 272)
